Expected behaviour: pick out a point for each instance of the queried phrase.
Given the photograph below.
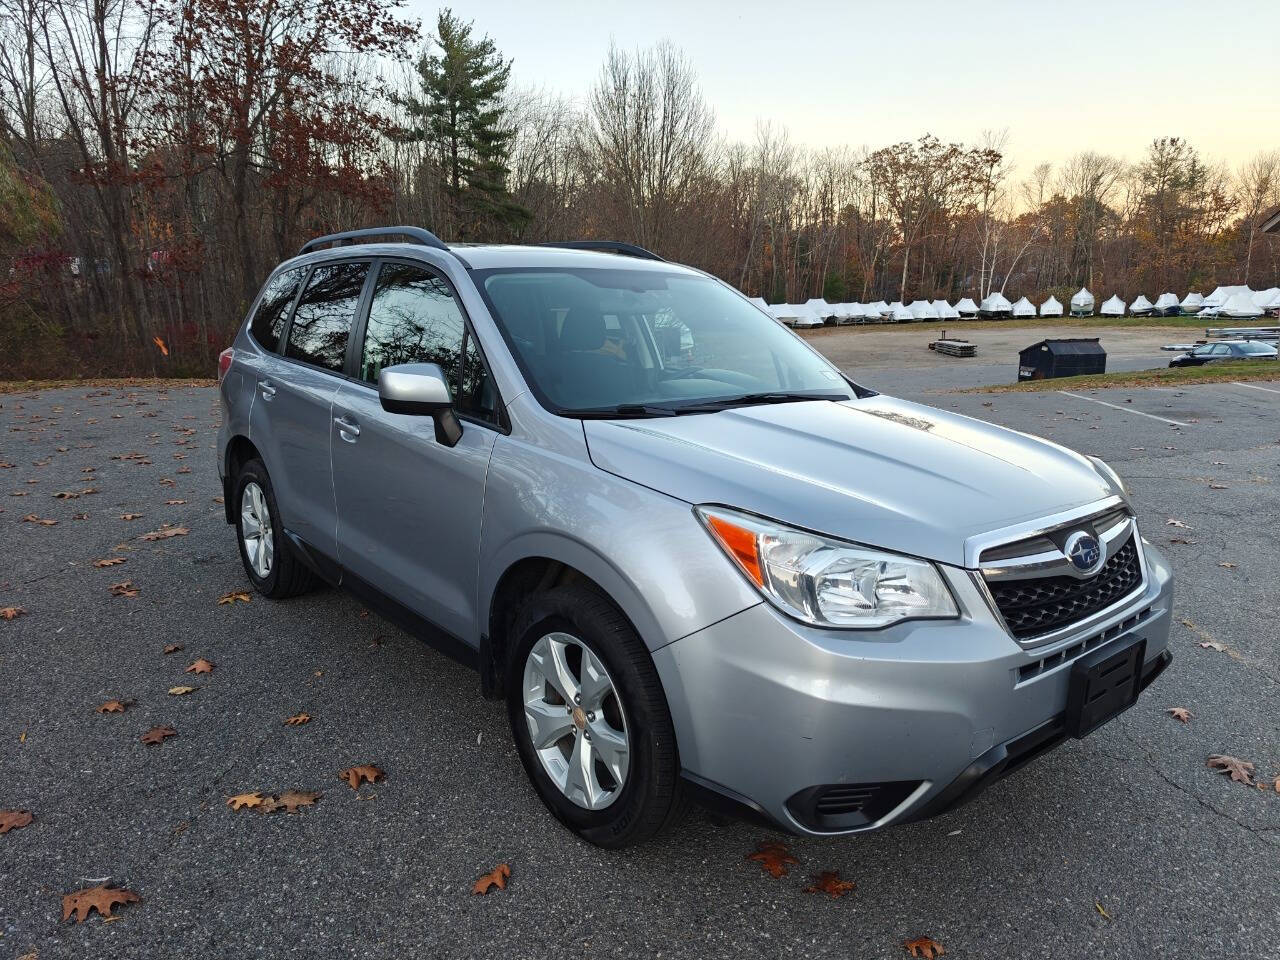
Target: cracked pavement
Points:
(1183, 861)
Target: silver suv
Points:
(693, 557)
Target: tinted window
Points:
(273, 308)
(412, 319)
(322, 321)
(477, 396)
(1256, 349)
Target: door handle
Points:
(348, 429)
(268, 391)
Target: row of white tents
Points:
(1237, 303)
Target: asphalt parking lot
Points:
(1120, 845)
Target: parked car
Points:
(694, 558)
(1224, 350)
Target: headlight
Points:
(828, 582)
(1109, 475)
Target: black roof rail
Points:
(607, 246)
(416, 234)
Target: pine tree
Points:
(461, 117)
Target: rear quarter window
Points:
(273, 309)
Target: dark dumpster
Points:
(1061, 358)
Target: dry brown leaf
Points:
(1181, 714)
(171, 648)
(14, 819)
(246, 801)
(101, 898)
(1240, 771)
(174, 503)
(233, 596)
(124, 588)
(115, 706)
(181, 691)
(130, 516)
(66, 495)
(1213, 645)
(158, 735)
(291, 801)
(1176, 523)
(364, 773)
(497, 877)
(164, 533)
(12, 613)
(166, 482)
(297, 720)
(42, 521)
(773, 858)
(110, 561)
(1097, 905)
(925, 947)
(201, 666)
(829, 882)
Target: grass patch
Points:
(108, 383)
(1163, 377)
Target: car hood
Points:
(878, 471)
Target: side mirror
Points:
(421, 389)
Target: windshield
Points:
(595, 340)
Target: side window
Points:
(412, 319)
(322, 321)
(478, 397)
(273, 308)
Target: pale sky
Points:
(1105, 75)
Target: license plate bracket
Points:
(1104, 684)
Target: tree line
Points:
(159, 157)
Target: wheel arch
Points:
(240, 450)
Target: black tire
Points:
(651, 798)
(288, 576)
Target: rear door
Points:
(296, 395)
(409, 508)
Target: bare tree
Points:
(1258, 187)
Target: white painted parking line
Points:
(1116, 406)
(1253, 386)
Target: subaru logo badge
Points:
(1085, 552)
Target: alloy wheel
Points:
(255, 529)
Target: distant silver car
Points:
(694, 558)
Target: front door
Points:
(409, 508)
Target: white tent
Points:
(1192, 303)
(843, 312)
(996, 306)
(1141, 307)
(1272, 305)
(1112, 308)
(1023, 308)
(899, 312)
(1051, 307)
(1167, 305)
(923, 310)
(879, 311)
(1240, 306)
(1221, 295)
(1082, 303)
(785, 313)
(1266, 299)
(945, 310)
(966, 308)
(821, 309)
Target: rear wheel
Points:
(590, 719)
(272, 566)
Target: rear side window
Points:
(273, 308)
(412, 319)
(322, 320)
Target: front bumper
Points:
(794, 722)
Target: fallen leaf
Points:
(12, 613)
(114, 706)
(130, 516)
(364, 773)
(773, 859)
(43, 521)
(181, 691)
(1181, 714)
(14, 819)
(124, 588)
(66, 495)
(158, 735)
(246, 801)
(110, 561)
(164, 533)
(160, 345)
(925, 947)
(1227, 564)
(171, 648)
(1176, 523)
(1240, 771)
(1218, 486)
(1213, 645)
(100, 898)
(297, 720)
(1097, 905)
(291, 801)
(497, 877)
(174, 503)
(233, 596)
(829, 882)
(200, 666)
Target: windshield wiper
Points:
(754, 399)
(624, 411)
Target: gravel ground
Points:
(1129, 821)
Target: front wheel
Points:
(590, 719)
